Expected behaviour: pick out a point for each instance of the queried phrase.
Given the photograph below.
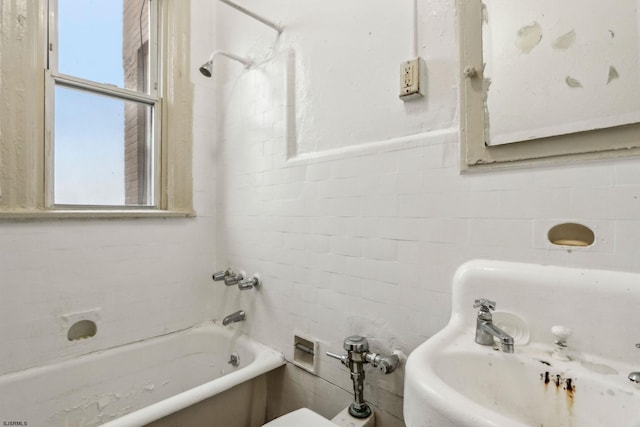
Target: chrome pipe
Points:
(254, 15)
(207, 68)
(358, 354)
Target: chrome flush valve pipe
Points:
(358, 354)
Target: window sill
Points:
(94, 213)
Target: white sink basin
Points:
(452, 381)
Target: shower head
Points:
(207, 68)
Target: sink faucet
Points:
(487, 331)
(237, 316)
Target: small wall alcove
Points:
(82, 329)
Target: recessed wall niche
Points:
(571, 234)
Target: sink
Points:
(452, 381)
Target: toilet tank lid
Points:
(301, 417)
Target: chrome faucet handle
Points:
(233, 279)
(561, 335)
(253, 282)
(220, 275)
(484, 304)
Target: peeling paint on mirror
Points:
(547, 61)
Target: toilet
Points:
(307, 418)
(302, 417)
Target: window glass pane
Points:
(102, 150)
(105, 41)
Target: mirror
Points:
(571, 65)
(547, 70)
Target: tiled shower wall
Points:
(350, 203)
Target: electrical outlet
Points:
(410, 79)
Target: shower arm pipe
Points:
(244, 61)
(255, 16)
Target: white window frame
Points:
(54, 78)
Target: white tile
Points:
(377, 205)
(349, 246)
(444, 230)
(381, 249)
(623, 202)
(506, 233)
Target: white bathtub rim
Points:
(266, 360)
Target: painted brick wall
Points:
(350, 203)
(350, 206)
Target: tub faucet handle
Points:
(233, 279)
(222, 274)
(253, 282)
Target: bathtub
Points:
(159, 380)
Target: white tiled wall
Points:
(310, 171)
(350, 204)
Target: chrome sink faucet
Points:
(487, 331)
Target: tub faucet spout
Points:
(237, 316)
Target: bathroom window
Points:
(103, 104)
(96, 111)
